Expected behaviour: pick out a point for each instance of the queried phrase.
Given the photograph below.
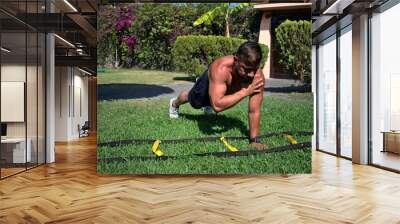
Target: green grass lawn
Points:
(148, 118)
(140, 76)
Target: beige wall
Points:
(265, 38)
(71, 87)
(16, 72)
(34, 124)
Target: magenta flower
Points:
(130, 41)
(122, 24)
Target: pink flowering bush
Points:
(124, 30)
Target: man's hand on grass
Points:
(258, 146)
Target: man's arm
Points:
(255, 103)
(217, 91)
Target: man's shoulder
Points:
(221, 67)
(224, 59)
(219, 73)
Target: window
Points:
(385, 88)
(346, 95)
(327, 95)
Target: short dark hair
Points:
(250, 53)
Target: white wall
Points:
(33, 126)
(10, 73)
(314, 90)
(81, 82)
(71, 87)
(62, 81)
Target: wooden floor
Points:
(70, 191)
(10, 171)
(387, 159)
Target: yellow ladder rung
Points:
(291, 139)
(157, 151)
(154, 148)
(230, 147)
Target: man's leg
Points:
(175, 102)
(181, 99)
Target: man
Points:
(225, 83)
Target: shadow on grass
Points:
(130, 91)
(216, 124)
(289, 89)
(186, 78)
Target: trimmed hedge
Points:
(193, 54)
(294, 43)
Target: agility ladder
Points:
(233, 151)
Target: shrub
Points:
(193, 54)
(143, 35)
(106, 35)
(157, 29)
(246, 24)
(294, 45)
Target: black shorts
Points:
(198, 95)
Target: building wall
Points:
(71, 102)
(368, 84)
(33, 125)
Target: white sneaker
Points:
(208, 110)
(173, 111)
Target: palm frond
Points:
(209, 16)
(240, 7)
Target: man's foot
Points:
(258, 146)
(173, 111)
(208, 110)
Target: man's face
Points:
(244, 70)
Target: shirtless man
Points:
(226, 82)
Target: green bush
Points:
(294, 45)
(193, 54)
(246, 23)
(156, 29)
(106, 35)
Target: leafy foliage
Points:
(106, 35)
(246, 23)
(294, 43)
(125, 33)
(224, 9)
(142, 35)
(157, 30)
(115, 34)
(193, 54)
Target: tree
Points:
(294, 43)
(106, 35)
(115, 40)
(225, 9)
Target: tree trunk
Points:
(227, 34)
(116, 64)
